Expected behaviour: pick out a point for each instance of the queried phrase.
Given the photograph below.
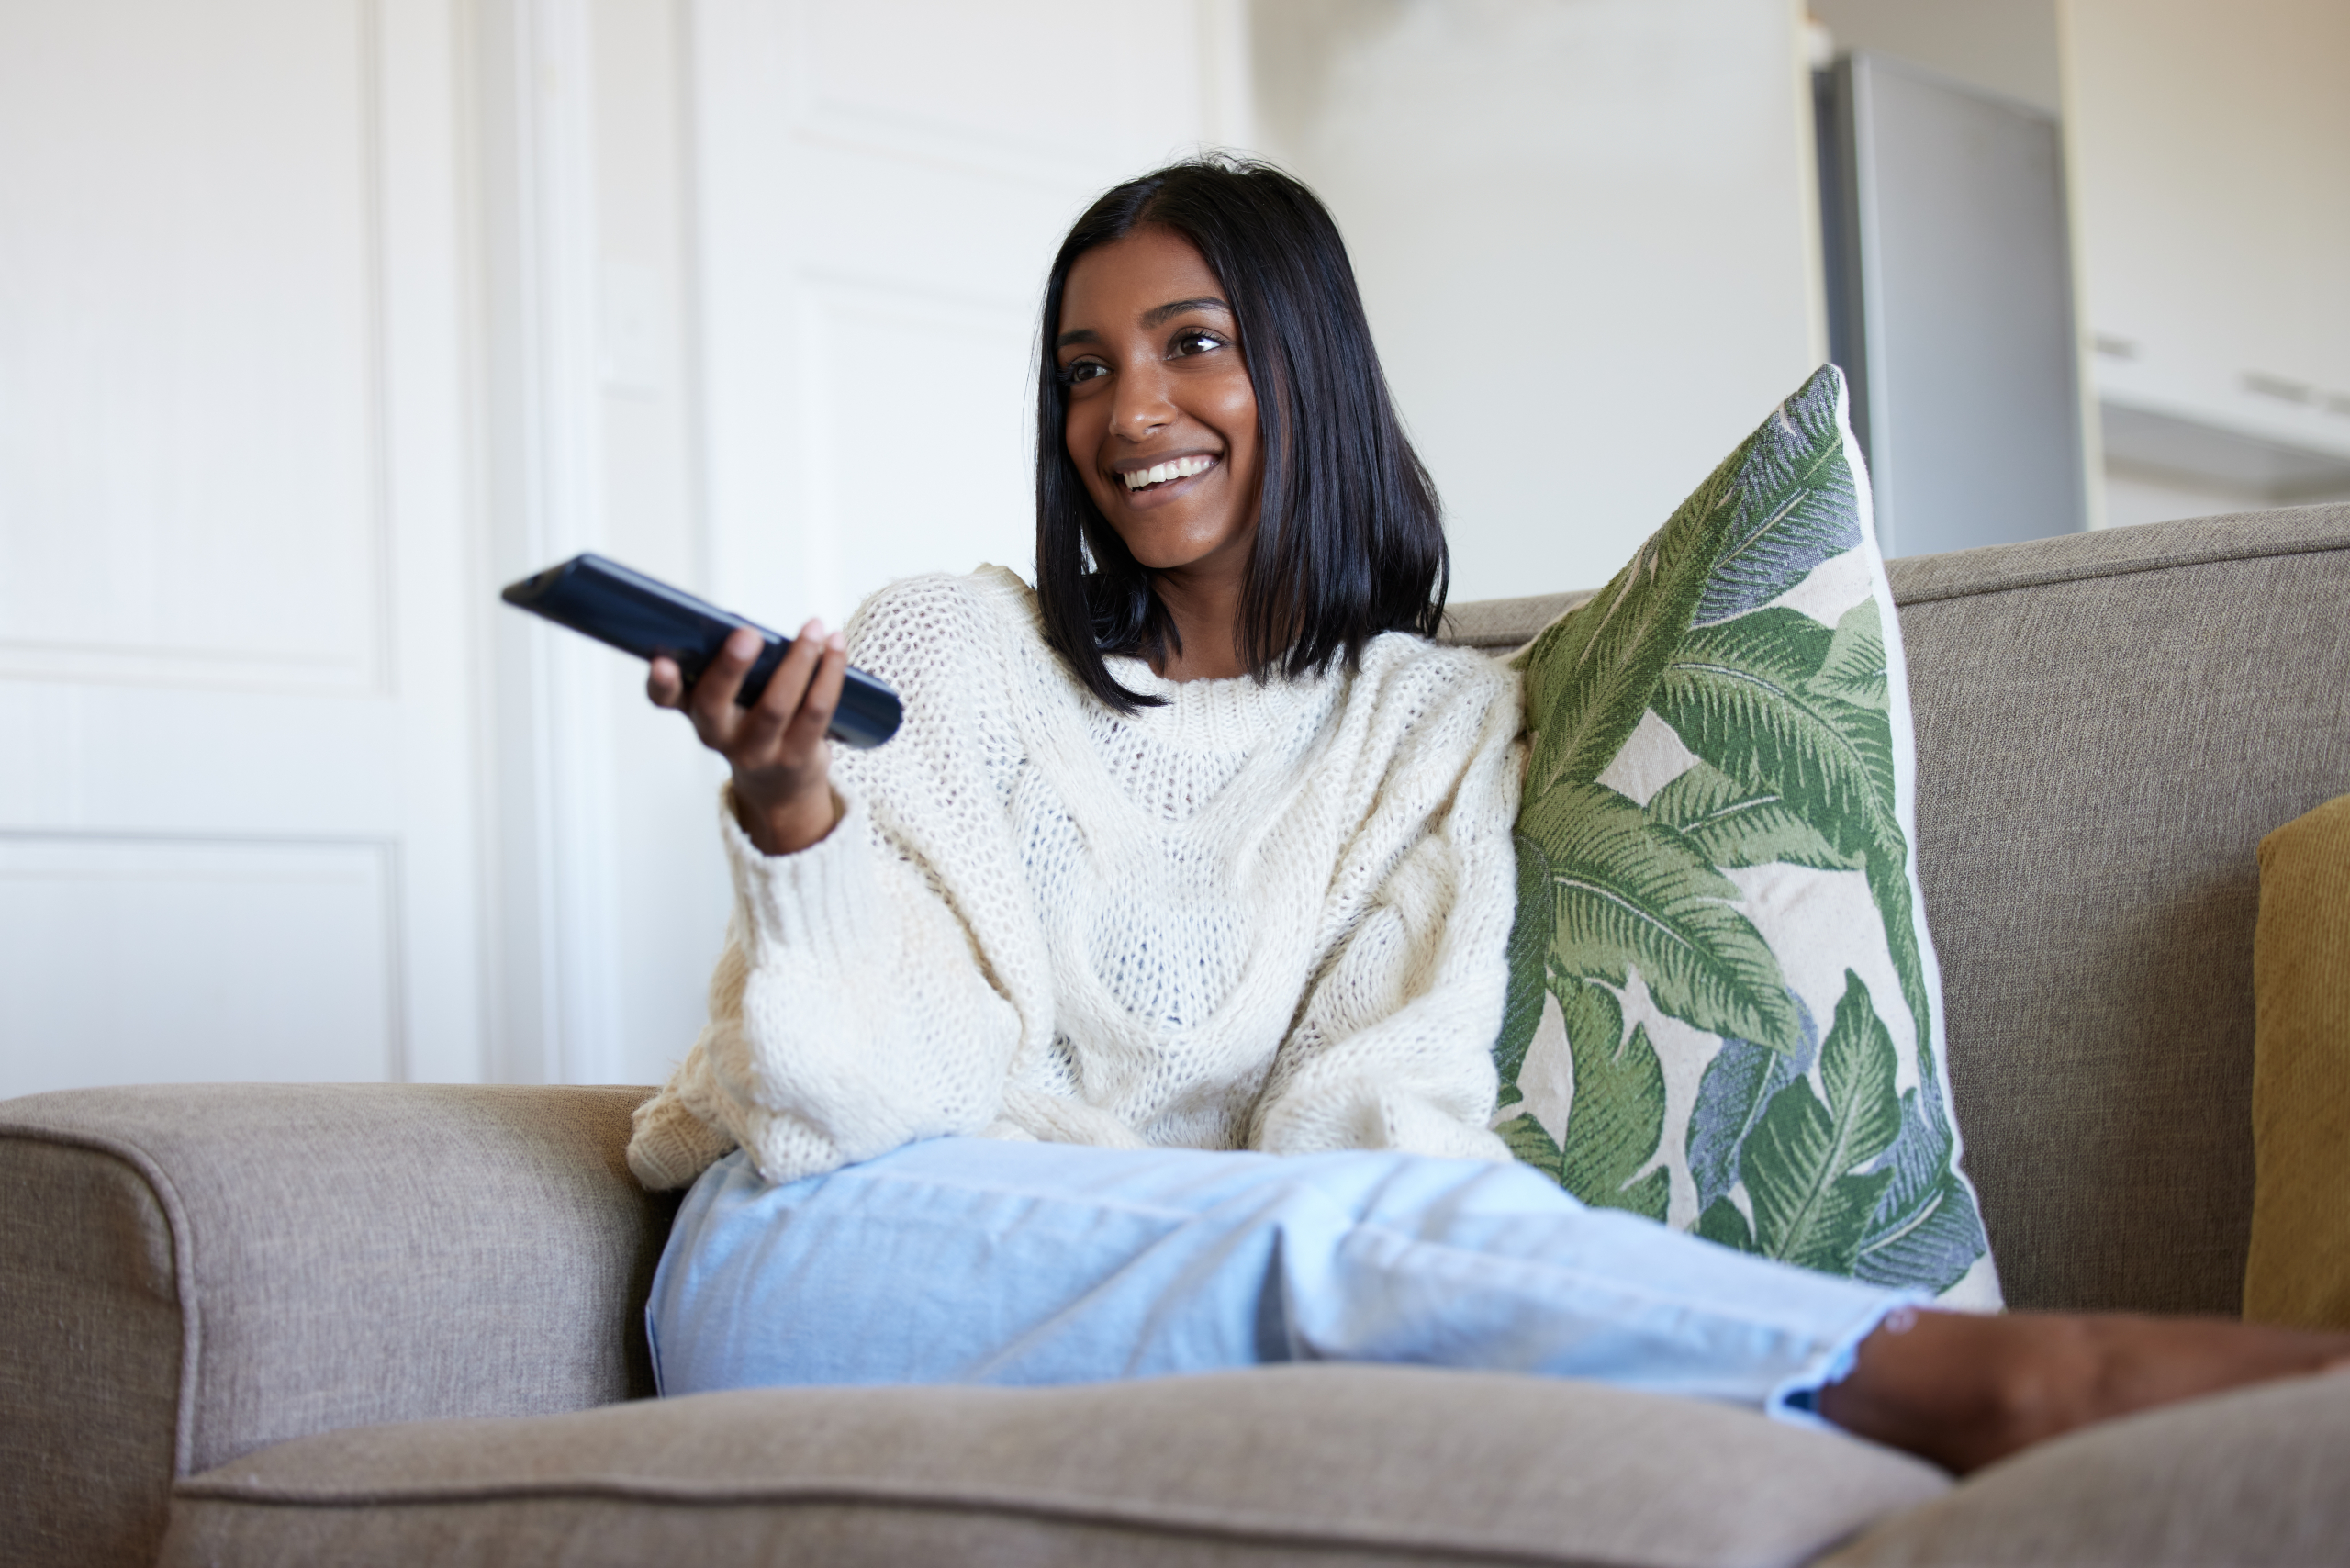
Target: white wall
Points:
(1586, 237)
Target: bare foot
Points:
(1964, 1390)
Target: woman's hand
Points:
(776, 745)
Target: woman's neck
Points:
(1205, 608)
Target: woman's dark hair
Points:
(1349, 538)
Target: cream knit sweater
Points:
(1264, 916)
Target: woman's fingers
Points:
(767, 726)
(665, 685)
(815, 715)
(713, 701)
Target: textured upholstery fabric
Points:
(90, 1357)
(2118, 552)
(2249, 1478)
(2298, 1272)
(327, 1255)
(2106, 725)
(1503, 623)
(1297, 1465)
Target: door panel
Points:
(188, 464)
(236, 797)
(255, 961)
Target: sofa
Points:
(402, 1324)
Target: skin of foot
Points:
(1964, 1390)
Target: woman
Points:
(1131, 1011)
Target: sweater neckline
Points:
(1227, 714)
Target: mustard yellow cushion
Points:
(2299, 1270)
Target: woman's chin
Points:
(1169, 556)
(1166, 538)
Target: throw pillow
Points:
(1724, 1009)
(2298, 1272)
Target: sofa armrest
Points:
(194, 1271)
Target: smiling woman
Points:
(1305, 525)
(1133, 1010)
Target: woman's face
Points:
(1162, 420)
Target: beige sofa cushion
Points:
(2246, 1479)
(1321, 1464)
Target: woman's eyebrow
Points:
(1177, 308)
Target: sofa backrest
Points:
(2106, 725)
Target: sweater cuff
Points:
(668, 1145)
(819, 902)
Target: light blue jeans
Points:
(972, 1260)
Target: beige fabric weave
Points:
(90, 1357)
(1503, 623)
(2243, 1480)
(342, 1254)
(2299, 1269)
(1289, 1464)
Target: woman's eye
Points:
(1195, 341)
(1084, 370)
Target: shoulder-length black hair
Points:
(1350, 537)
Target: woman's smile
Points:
(1148, 481)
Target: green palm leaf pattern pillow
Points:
(1724, 1011)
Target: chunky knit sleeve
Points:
(875, 986)
(1393, 1048)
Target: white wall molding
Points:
(551, 744)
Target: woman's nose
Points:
(1143, 405)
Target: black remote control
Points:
(640, 615)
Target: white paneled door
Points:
(236, 794)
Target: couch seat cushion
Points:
(1321, 1464)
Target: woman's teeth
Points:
(1178, 468)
